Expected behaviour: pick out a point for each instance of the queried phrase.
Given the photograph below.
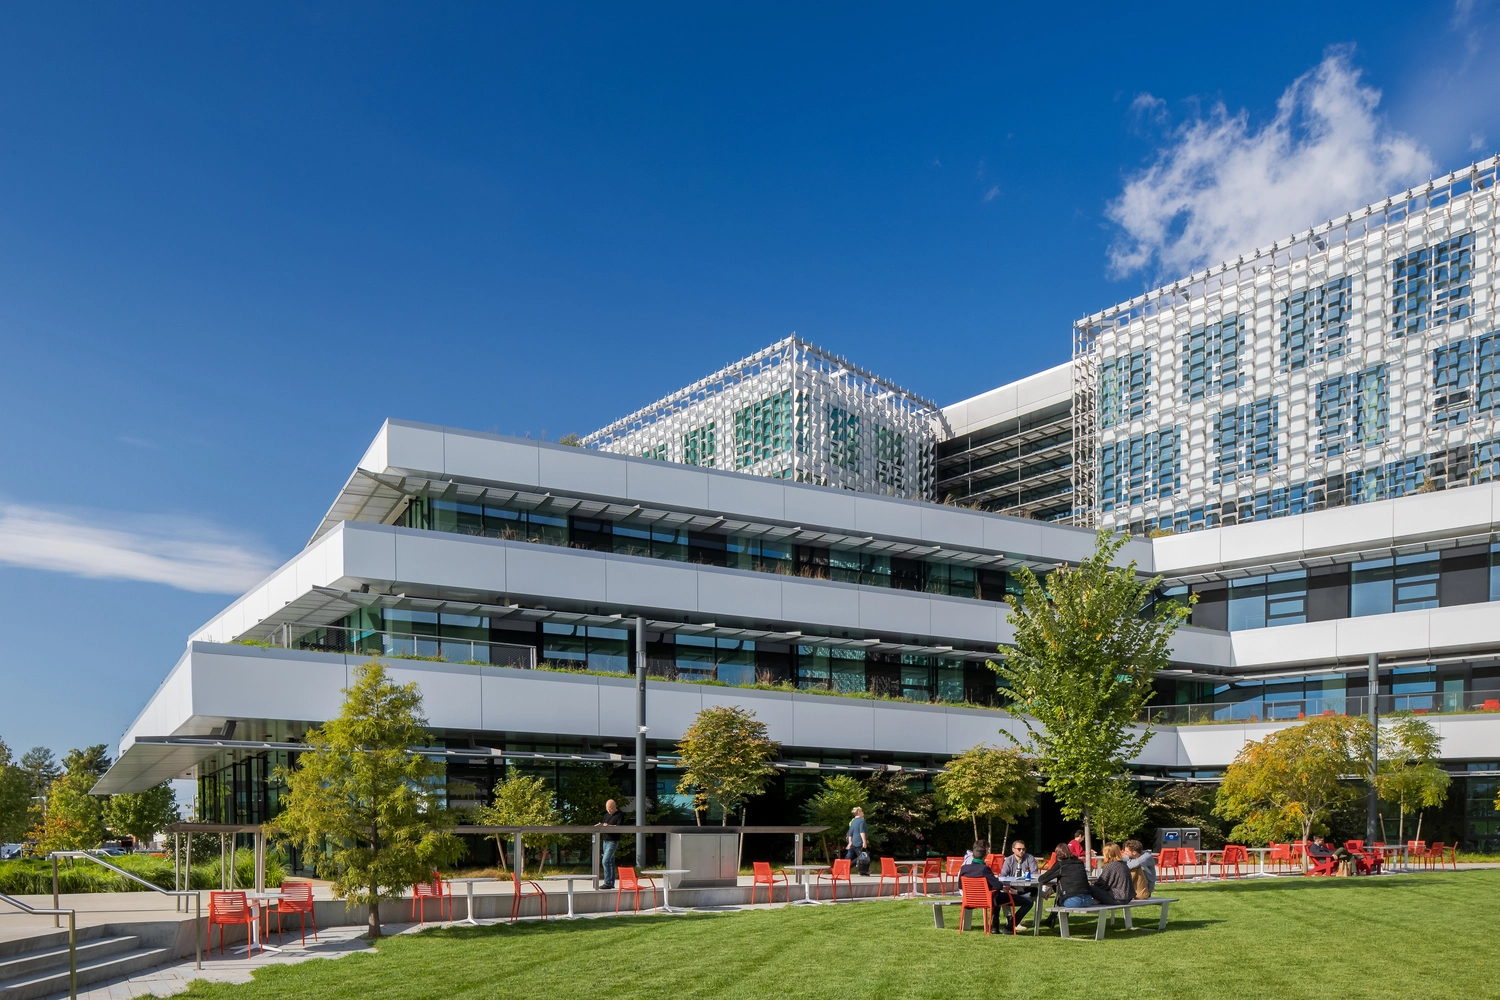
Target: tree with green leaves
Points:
(15, 798)
(1088, 643)
(900, 819)
(41, 769)
(519, 800)
(1119, 813)
(726, 758)
(988, 782)
(362, 803)
(1408, 772)
(833, 805)
(74, 819)
(92, 760)
(1282, 786)
(142, 815)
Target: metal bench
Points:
(1103, 912)
(937, 912)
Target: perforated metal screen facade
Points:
(1351, 363)
(791, 411)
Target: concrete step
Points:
(32, 964)
(41, 940)
(55, 981)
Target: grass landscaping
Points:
(1421, 935)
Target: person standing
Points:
(858, 841)
(612, 817)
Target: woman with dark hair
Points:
(1068, 877)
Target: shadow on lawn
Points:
(560, 924)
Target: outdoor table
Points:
(912, 867)
(255, 899)
(570, 879)
(469, 883)
(803, 874)
(666, 873)
(1034, 888)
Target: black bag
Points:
(862, 862)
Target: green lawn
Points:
(1413, 936)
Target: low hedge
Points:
(34, 876)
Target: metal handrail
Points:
(54, 913)
(197, 896)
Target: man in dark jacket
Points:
(1069, 878)
(976, 868)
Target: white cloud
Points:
(179, 553)
(1476, 142)
(1220, 188)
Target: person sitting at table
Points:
(1018, 865)
(1075, 846)
(1068, 879)
(1113, 884)
(976, 868)
(1142, 864)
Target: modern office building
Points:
(760, 527)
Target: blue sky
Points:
(232, 242)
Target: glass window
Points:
(1286, 598)
(1416, 582)
(1247, 603)
(950, 680)
(609, 650)
(695, 657)
(736, 661)
(1495, 572)
(1370, 590)
(847, 669)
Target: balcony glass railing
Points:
(1290, 710)
(404, 645)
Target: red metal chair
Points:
(1435, 855)
(932, 868)
(975, 896)
(1233, 854)
(1415, 850)
(1453, 856)
(952, 867)
(1168, 863)
(524, 887)
(228, 909)
(839, 873)
(1188, 858)
(629, 881)
(995, 862)
(1365, 862)
(888, 870)
(1279, 857)
(1327, 866)
(421, 892)
(766, 877)
(296, 897)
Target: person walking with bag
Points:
(858, 842)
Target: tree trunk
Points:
(1088, 840)
(975, 818)
(1419, 827)
(1005, 843)
(989, 832)
(374, 923)
(500, 853)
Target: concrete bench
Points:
(937, 913)
(1103, 911)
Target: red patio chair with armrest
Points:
(975, 895)
(888, 870)
(951, 869)
(766, 877)
(1435, 854)
(421, 892)
(932, 868)
(296, 897)
(1168, 863)
(1188, 858)
(228, 909)
(995, 862)
(1233, 854)
(839, 873)
(629, 881)
(523, 887)
(1326, 866)
(1366, 862)
(1279, 857)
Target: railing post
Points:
(798, 854)
(72, 954)
(198, 931)
(56, 920)
(597, 866)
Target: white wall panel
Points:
(876, 516)
(574, 470)
(452, 693)
(491, 459)
(1407, 632)
(834, 722)
(905, 731)
(369, 551)
(526, 701)
(820, 508)
(756, 596)
(644, 583)
(663, 483)
(459, 561)
(833, 604)
(747, 496)
(413, 446)
(549, 571)
(894, 612)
